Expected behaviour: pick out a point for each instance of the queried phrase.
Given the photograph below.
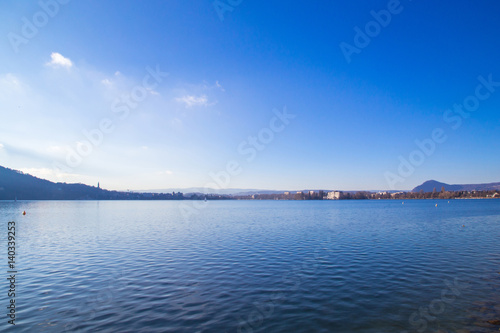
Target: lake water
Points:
(254, 266)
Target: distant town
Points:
(365, 195)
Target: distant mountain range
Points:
(430, 185)
(206, 190)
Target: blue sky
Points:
(353, 122)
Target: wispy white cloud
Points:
(55, 149)
(10, 84)
(218, 85)
(191, 100)
(58, 60)
(176, 122)
(65, 106)
(1, 146)
(10, 79)
(52, 174)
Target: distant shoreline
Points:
(234, 199)
(16, 185)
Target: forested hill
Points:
(430, 185)
(16, 184)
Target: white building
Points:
(335, 195)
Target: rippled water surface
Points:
(254, 266)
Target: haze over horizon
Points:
(262, 96)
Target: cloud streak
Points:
(58, 60)
(191, 100)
